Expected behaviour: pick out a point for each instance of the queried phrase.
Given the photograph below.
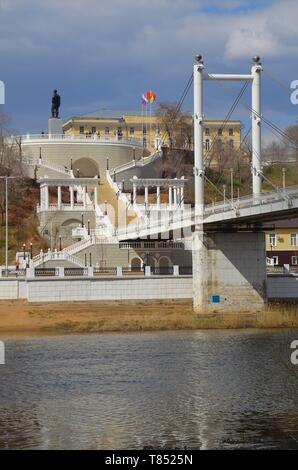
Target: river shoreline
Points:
(18, 318)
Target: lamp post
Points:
(106, 207)
(31, 251)
(6, 218)
(82, 222)
(107, 163)
(90, 259)
(24, 251)
(60, 244)
(88, 227)
(123, 181)
(71, 163)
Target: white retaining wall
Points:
(12, 289)
(279, 287)
(113, 289)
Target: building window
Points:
(82, 130)
(231, 143)
(93, 130)
(272, 239)
(119, 131)
(107, 130)
(294, 260)
(207, 131)
(207, 144)
(275, 260)
(219, 132)
(293, 239)
(131, 131)
(231, 131)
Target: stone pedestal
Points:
(55, 126)
(229, 272)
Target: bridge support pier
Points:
(229, 272)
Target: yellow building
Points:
(282, 243)
(131, 124)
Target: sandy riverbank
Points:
(20, 318)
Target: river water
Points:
(202, 389)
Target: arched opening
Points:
(164, 262)
(71, 223)
(85, 167)
(136, 264)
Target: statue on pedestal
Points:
(56, 100)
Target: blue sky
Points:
(106, 53)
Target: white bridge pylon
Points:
(199, 77)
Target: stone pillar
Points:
(46, 196)
(175, 196)
(170, 197)
(147, 270)
(71, 197)
(134, 191)
(158, 196)
(182, 194)
(229, 272)
(146, 195)
(59, 198)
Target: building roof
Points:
(113, 113)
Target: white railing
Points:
(65, 207)
(55, 255)
(137, 163)
(79, 138)
(46, 164)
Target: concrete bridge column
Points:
(229, 272)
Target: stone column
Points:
(46, 193)
(175, 196)
(41, 196)
(182, 194)
(71, 197)
(59, 198)
(146, 196)
(134, 191)
(170, 197)
(158, 196)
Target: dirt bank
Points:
(20, 318)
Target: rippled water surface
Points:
(204, 389)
